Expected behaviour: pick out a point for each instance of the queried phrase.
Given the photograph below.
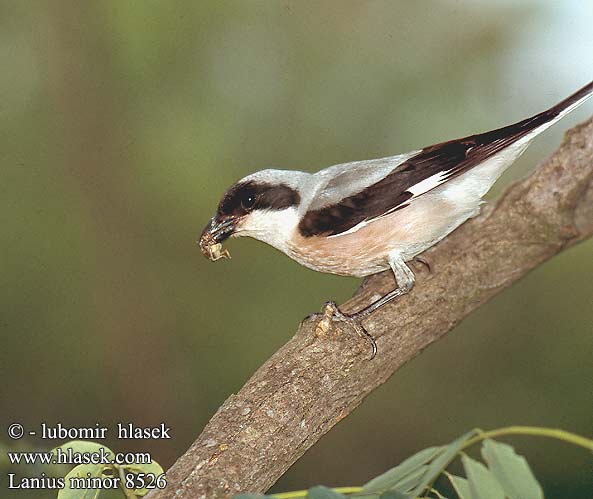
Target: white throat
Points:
(274, 227)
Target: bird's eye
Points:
(247, 202)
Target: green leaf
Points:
(391, 478)
(250, 496)
(82, 471)
(461, 486)
(410, 481)
(321, 492)
(511, 471)
(112, 494)
(394, 494)
(437, 466)
(482, 482)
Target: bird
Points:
(364, 217)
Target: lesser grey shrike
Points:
(360, 218)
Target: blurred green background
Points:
(122, 123)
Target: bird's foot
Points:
(331, 313)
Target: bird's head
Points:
(263, 205)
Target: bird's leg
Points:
(404, 279)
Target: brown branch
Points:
(318, 378)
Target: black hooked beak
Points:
(215, 232)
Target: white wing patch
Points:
(355, 228)
(416, 190)
(427, 184)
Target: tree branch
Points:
(323, 372)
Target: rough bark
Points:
(324, 372)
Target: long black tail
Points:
(455, 157)
(572, 102)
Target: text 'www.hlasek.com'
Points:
(82, 462)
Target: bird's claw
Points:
(424, 261)
(331, 312)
